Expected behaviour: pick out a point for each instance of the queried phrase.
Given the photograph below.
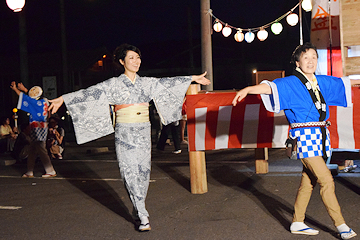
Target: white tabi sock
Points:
(343, 228)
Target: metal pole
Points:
(66, 83)
(301, 31)
(24, 68)
(330, 39)
(206, 51)
(191, 50)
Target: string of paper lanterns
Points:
(261, 33)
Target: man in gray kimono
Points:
(131, 95)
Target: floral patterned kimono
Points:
(89, 109)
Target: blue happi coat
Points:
(291, 95)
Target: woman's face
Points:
(131, 62)
(308, 61)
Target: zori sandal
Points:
(48, 175)
(25, 175)
(305, 231)
(348, 235)
(302, 228)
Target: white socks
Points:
(30, 173)
(302, 228)
(144, 220)
(145, 224)
(51, 173)
(343, 228)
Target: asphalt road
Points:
(87, 199)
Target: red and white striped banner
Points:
(345, 124)
(213, 123)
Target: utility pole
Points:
(206, 49)
(65, 72)
(24, 68)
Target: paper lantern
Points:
(262, 34)
(306, 5)
(226, 31)
(276, 28)
(15, 5)
(249, 37)
(292, 19)
(218, 26)
(239, 36)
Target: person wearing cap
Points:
(37, 107)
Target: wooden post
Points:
(206, 49)
(198, 179)
(193, 89)
(261, 163)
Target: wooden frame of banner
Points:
(198, 178)
(259, 76)
(197, 161)
(349, 35)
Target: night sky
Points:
(160, 28)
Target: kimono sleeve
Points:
(90, 113)
(168, 95)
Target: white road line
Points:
(9, 207)
(80, 179)
(159, 161)
(89, 160)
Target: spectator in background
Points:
(183, 123)
(22, 143)
(174, 128)
(7, 132)
(55, 137)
